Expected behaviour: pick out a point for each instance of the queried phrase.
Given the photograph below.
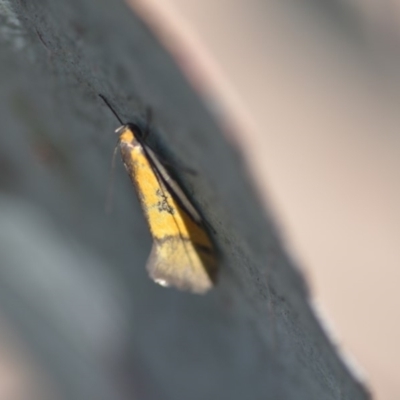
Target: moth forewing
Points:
(183, 254)
(173, 185)
(168, 265)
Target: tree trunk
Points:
(72, 277)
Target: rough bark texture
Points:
(72, 277)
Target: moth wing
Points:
(187, 263)
(176, 262)
(173, 185)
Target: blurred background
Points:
(310, 92)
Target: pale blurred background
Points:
(309, 91)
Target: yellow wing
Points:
(176, 262)
(183, 254)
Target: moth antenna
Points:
(111, 108)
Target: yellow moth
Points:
(183, 254)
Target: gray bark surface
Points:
(72, 277)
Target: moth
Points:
(183, 254)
